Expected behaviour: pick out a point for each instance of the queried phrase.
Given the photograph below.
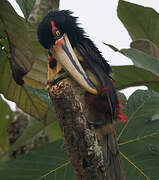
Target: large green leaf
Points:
(19, 94)
(146, 46)
(19, 41)
(25, 50)
(142, 25)
(5, 119)
(26, 6)
(41, 94)
(143, 60)
(53, 131)
(141, 22)
(138, 143)
(138, 138)
(34, 127)
(49, 124)
(129, 76)
(145, 70)
(47, 162)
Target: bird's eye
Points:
(57, 33)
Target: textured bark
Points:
(91, 159)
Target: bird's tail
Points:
(113, 163)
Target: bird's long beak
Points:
(65, 55)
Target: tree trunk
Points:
(91, 159)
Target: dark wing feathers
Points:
(99, 66)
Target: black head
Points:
(57, 23)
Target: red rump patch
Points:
(121, 116)
(120, 100)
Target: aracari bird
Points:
(72, 53)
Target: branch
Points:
(86, 153)
(41, 8)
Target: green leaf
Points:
(54, 132)
(141, 22)
(18, 40)
(143, 60)
(25, 51)
(41, 94)
(138, 138)
(5, 119)
(129, 76)
(145, 69)
(112, 47)
(23, 98)
(47, 162)
(35, 127)
(146, 46)
(26, 6)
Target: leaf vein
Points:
(139, 138)
(124, 156)
(55, 170)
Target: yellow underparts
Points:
(52, 72)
